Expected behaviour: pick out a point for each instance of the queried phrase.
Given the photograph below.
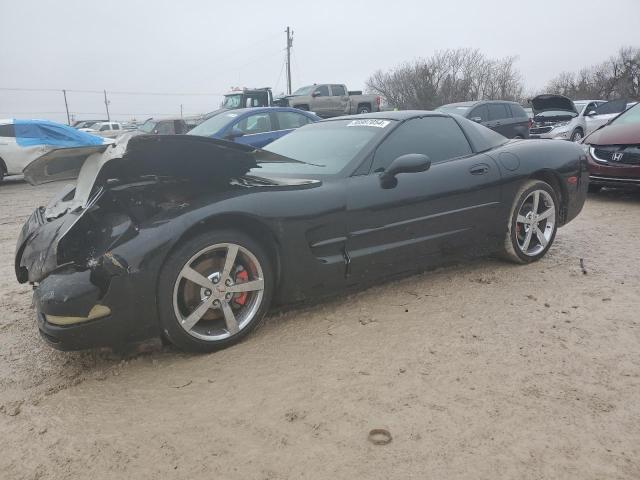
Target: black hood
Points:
(548, 102)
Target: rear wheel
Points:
(213, 290)
(364, 109)
(532, 223)
(577, 135)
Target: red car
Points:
(614, 152)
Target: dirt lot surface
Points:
(480, 371)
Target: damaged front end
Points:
(94, 253)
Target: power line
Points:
(275, 87)
(110, 92)
(94, 113)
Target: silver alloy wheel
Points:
(209, 301)
(577, 136)
(535, 222)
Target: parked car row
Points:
(549, 117)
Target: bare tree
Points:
(617, 77)
(446, 77)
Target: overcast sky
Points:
(199, 46)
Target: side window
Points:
(7, 131)
(498, 111)
(338, 91)
(165, 128)
(517, 111)
(480, 112)
(440, 138)
(257, 123)
(288, 120)
(322, 91)
(179, 127)
(104, 128)
(115, 126)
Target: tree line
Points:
(464, 74)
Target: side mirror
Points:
(591, 113)
(233, 134)
(315, 94)
(409, 163)
(476, 119)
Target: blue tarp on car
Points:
(43, 132)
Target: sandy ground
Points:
(480, 371)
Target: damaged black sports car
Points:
(193, 239)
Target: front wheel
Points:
(532, 224)
(213, 290)
(577, 135)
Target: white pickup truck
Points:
(331, 100)
(105, 129)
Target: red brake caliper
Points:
(241, 277)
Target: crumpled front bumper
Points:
(65, 295)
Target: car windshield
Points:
(580, 106)
(304, 90)
(148, 126)
(213, 125)
(630, 117)
(454, 109)
(232, 101)
(325, 147)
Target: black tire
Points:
(170, 275)
(595, 188)
(577, 135)
(3, 171)
(302, 107)
(363, 109)
(511, 250)
(518, 137)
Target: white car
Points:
(105, 129)
(558, 117)
(34, 139)
(595, 118)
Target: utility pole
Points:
(66, 106)
(289, 45)
(106, 104)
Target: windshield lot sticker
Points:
(369, 123)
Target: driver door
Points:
(426, 216)
(321, 104)
(604, 113)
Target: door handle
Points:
(479, 169)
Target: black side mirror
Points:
(409, 163)
(315, 94)
(476, 119)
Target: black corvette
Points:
(193, 238)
